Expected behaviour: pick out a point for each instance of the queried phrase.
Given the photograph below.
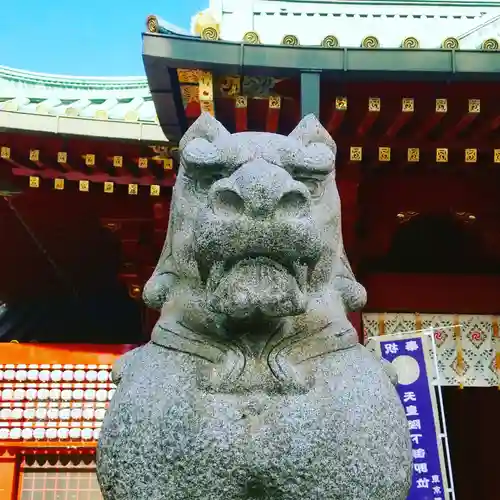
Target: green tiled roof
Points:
(124, 98)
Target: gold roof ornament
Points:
(370, 42)
(210, 33)
(152, 24)
(330, 42)
(290, 40)
(251, 37)
(205, 25)
(410, 42)
(451, 43)
(490, 44)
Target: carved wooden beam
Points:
(86, 181)
(371, 115)
(486, 129)
(162, 160)
(339, 111)
(8, 155)
(440, 110)
(35, 158)
(62, 161)
(404, 115)
(115, 166)
(473, 111)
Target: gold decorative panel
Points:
(62, 157)
(384, 154)
(241, 102)
(90, 160)
(341, 103)
(441, 105)
(413, 155)
(374, 104)
(34, 181)
(470, 155)
(441, 155)
(474, 105)
(274, 102)
(188, 75)
(356, 153)
(408, 104)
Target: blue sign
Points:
(408, 358)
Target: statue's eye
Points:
(314, 186)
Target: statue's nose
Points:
(261, 190)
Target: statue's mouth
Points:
(258, 283)
(296, 268)
(299, 269)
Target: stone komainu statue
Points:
(254, 385)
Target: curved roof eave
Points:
(86, 83)
(112, 107)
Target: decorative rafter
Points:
(339, 110)
(440, 110)
(371, 115)
(406, 113)
(472, 113)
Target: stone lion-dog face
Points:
(253, 266)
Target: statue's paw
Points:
(120, 366)
(157, 289)
(292, 376)
(222, 375)
(154, 296)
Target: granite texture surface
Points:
(253, 385)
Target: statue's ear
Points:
(205, 127)
(310, 131)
